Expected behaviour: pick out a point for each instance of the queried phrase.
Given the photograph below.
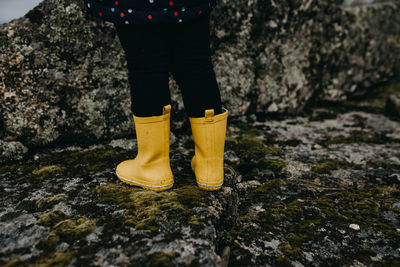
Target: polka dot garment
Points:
(147, 11)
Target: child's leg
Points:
(192, 67)
(147, 57)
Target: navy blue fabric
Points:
(147, 11)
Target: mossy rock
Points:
(248, 146)
(268, 186)
(274, 150)
(115, 193)
(145, 207)
(326, 166)
(146, 227)
(282, 261)
(162, 259)
(59, 258)
(291, 251)
(68, 231)
(92, 157)
(51, 218)
(8, 168)
(190, 196)
(49, 243)
(49, 202)
(290, 142)
(368, 252)
(359, 137)
(293, 209)
(48, 171)
(73, 229)
(274, 165)
(11, 262)
(296, 239)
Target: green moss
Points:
(49, 243)
(249, 146)
(282, 261)
(146, 207)
(307, 228)
(388, 262)
(116, 193)
(91, 157)
(146, 227)
(8, 168)
(190, 196)
(274, 165)
(326, 166)
(297, 239)
(290, 142)
(274, 150)
(11, 262)
(48, 202)
(359, 137)
(68, 230)
(293, 209)
(48, 171)
(267, 186)
(58, 258)
(52, 218)
(369, 252)
(73, 229)
(291, 251)
(195, 221)
(162, 259)
(97, 166)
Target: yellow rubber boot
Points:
(151, 168)
(209, 139)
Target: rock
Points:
(269, 57)
(272, 209)
(12, 150)
(393, 105)
(354, 227)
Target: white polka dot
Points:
(126, 22)
(130, 10)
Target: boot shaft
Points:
(153, 137)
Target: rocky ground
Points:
(314, 190)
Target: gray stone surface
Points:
(304, 191)
(64, 78)
(12, 150)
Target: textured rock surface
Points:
(317, 190)
(12, 150)
(63, 78)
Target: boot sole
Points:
(206, 186)
(145, 186)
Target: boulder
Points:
(63, 78)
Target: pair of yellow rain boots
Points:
(151, 168)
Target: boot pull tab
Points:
(166, 109)
(209, 115)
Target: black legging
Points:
(152, 50)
